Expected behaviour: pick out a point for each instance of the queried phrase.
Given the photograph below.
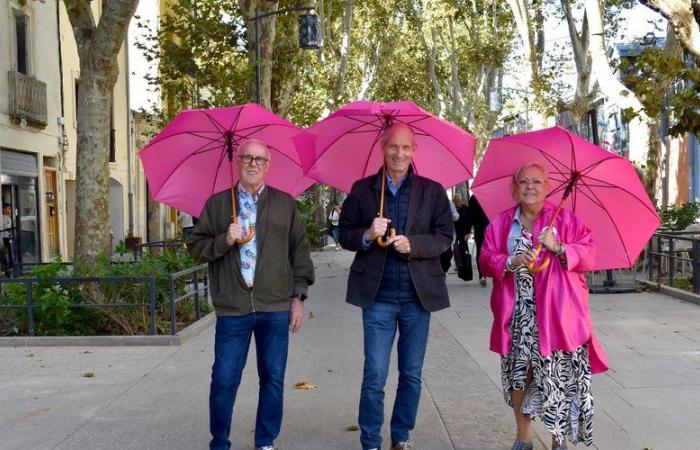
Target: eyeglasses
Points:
(248, 159)
(524, 182)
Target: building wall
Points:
(43, 63)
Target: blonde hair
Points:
(529, 165)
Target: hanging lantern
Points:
(309, 32)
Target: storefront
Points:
(20, 201)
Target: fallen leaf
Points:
(303, 385)
(89, 374)
(352, 428)
(311, 315)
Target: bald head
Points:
(397, 128)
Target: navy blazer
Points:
(429, 228)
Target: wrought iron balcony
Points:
(27, 99)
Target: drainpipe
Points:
(129, 142)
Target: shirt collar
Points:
(254, 196)
(516, 217)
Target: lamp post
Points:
(309, 36)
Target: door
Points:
(21, 193)
(51, 213)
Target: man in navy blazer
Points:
(397, 287)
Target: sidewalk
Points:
(156, 398)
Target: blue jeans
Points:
(231, 345)
(335, 232)
(380, 321)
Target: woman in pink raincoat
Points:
(542, 325)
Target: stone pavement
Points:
(156, 397)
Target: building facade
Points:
(39, 88)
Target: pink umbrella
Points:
(600, 187)
(345, 147)
(190, 159)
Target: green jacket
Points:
(283, 267)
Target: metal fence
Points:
(194, 280)
(199, 284)
(161, 245)
(669, 248)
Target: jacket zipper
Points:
(252, 303)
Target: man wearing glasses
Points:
(257, 288)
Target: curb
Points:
(671, 291)
(112, 341)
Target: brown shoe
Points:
(408, 445)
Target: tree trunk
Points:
(339, 85)
(612, 87)
(98, 48)
(532, 38)
(684, 16)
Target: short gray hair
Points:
(253, 141)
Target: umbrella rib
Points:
(179, 133)
(332, 143)
(180, 164)
(597, 163)
(561, 163)
(285, 125)
(573, 153)
(617, 230)
(216, 172)
(471, 175)
(236, 119)
(624, 190)
(216, 123)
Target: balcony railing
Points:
(27, 99)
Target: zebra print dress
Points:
(560, 391)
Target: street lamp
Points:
(309, 35)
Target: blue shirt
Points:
(516, 230)
(247, 217)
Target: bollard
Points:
(696, 265)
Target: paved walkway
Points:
(156, 397)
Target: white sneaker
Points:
(266, 447)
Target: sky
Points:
(635, 21)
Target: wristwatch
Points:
(561, 250)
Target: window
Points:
(22, 42)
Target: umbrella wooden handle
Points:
(383, 242)
(531, 267)
(249, 236)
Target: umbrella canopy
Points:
(606, 191)
(187, 162)
(345, 146)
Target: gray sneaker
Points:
(520, 445)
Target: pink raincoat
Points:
(561, 294)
